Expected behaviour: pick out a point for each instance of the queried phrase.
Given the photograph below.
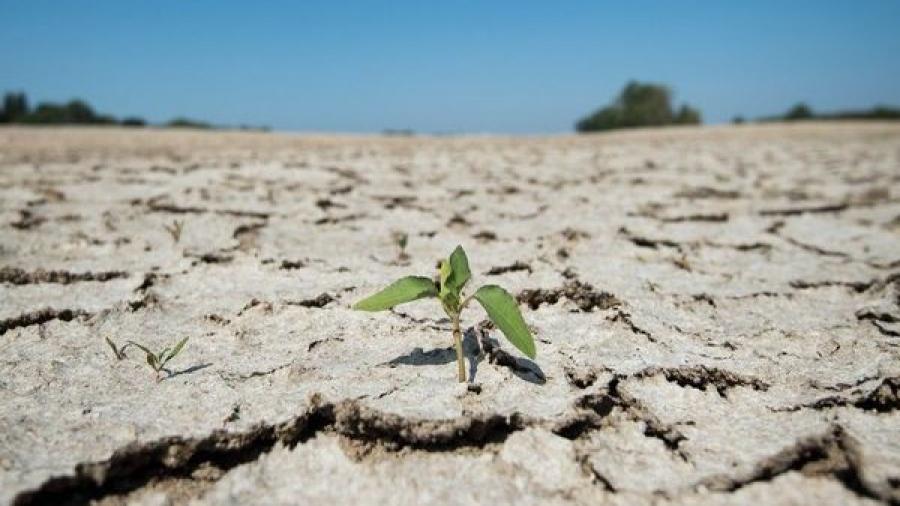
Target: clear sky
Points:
(445, 66)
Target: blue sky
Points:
(451, 66)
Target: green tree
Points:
(187, 123)
(638, 105)
(133, 121)
(688, 116)
(15, 107)
(798, 112)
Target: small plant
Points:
(500, 306)
(119, 352)
(175, 229)
(401, 239)
(156, 361)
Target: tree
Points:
(15, 107)
(688, 116)
(133, 121)
(639, 104)
(799, 111)
(187, 123)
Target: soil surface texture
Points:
(716, 313)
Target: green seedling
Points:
(156, 361)
(401, 239)
(175, 229)
(500, 306)
(119, 352)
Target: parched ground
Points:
(717, 314)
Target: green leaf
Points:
(403, 290)
(446, 271)
(175, 351)
(115, 348)
(459, 270)
(450, 303)
(503, 311)
(151, 359)
(142, 347)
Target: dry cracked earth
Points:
(717, 315)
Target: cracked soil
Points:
(716, 310)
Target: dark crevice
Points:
(706, 192)
(28, 220)
(320, 301)
(514, 267)
(883, 321)
(584, 295)
(334, 220)
(646, 242)
(18, 276)
(326, 204)
(828, 454)
(815, 249)
(139, 464)
(795, 211)
(625, 318)
(150, 280)
(212, 258)
(653, 426)
(292, 264)
(883, 398)
(230, 377)
(580, 378)
(701, 377)
(246, 235)
(856, 286)
(708, 218)
(41, 316)
(160, 207)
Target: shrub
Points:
(639, 104)
(15, 107)
(799, 111)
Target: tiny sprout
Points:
(500, 306)
(402, 239)
(117, 351)
(175, 229)
(156, 361)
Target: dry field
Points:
(717, 315)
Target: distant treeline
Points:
(640, 105)
(803, 112)
(15, 109)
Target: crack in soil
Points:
(880, 320)
(815, 249)
(622, 316)
(584, 295)
(707, 218)
(320, 301)
(856, 286)
(831, 454)
(247, 235)
(156, 207)
(883, 398)
(796, 211)
(646, 242)
(138, 464)
(18, 276)
(28, 220)
(41, 316)
(701, 377)
(514, 267)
